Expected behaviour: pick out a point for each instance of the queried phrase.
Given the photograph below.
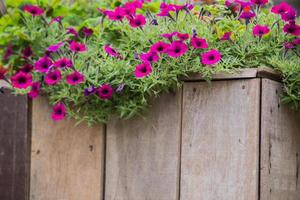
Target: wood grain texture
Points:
(14, 147)
(66, 161)
(220, 140)
(280, 146)
(142, 159)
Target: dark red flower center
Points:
(160, 48)
(211, 57)
(144, 69)
(138, 22)
(177, 50)
(54, 77)
(105, 91)
(63, 64)
(22, 80)
(59, 111)
(75, 78)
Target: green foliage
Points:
(243, 51)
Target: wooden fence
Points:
(231, 139)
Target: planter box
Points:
(230, 140)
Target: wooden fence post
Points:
(2, 7)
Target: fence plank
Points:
(280, 146)
(66, 161)
(142, 159)
(2, 7)
(220, 137)
(14, 147)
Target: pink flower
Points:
(182, 36)
(296, 41)
(35, 90)
(143, 70)
(52, 78)
(260, 30)
(111, 51)
(116, 15)
(288, 45)
(55, 47)
(58, 112)
(199, 43)
(129, 10)
(21, 80)
(292, 28)
(27, 52)
(168, 36)
(27, 68)
(281, 8)
(105, 91)
(135, 4)
(72, 31)
(226, 36)
(63, 63)
(177, 49)
(56, 19)
(243, 3)
(87, 31)
(33, 10)
(211, 57)
(75, 78)
(77, 47)
(159, 47)
(149, 57)
(137, 21)
(260, 2)
(247, 15)
(43, 64)
(290, 15)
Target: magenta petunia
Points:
(72, 31)
(137, 21)
(168, 36)
(56, 19)
(54, 47)
(26, 68)
(226, 36)
(63, 63)
(296, 41)
(111, 51)
(182, 36)
(243, 4)
(143, 70)
(247, 15)
(116, 15)
(43, 64)
(129, 10)
(288, 45)
(260, 30)
(149, 57)
(35, 90)
(211, 57)
(77, 47)
(53, 77)
(33, 10)
(58, 112)
(281, 8)
(260, 2)
(290, 15)
(159, 47)
(177, 49)
(199, 43)
(27, 52)
(21, 80)
(75, 78)
(135, 4)
(105, 91)
(87, 32)
(292, 28)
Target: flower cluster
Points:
(90, 74)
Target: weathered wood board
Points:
(220, 140)
(142, 157)
(280, 147)
(14, 151)
(66, 161)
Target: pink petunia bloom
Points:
(27, 68)
(33, 10)
(292, 28)
(52, 78)
(290, 15)
(182, 36)
(77, 47)
(243, 4)
(199, 43)
(211, 57)
(35, 90)
(159, 47)
(87, 32)
(177, 49)
(260, 2)
(260, 30)
(58, 112)
(296, 41)
(281, 8)
(21, 80)
(116, 15)
(247, 15)
(75, 78)
(129, 10)
(137, 21)
(27, 52)
(136, 4)
(56, 19)
(226, 36)
(105, 91)
(63, 63)
(43, 64)
(54, 47)
(149, 57)
(143, 70)
(72, 31)
(168, 36)
(288, 45)
(111, 51)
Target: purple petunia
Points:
(54, 47)
(90, 90)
